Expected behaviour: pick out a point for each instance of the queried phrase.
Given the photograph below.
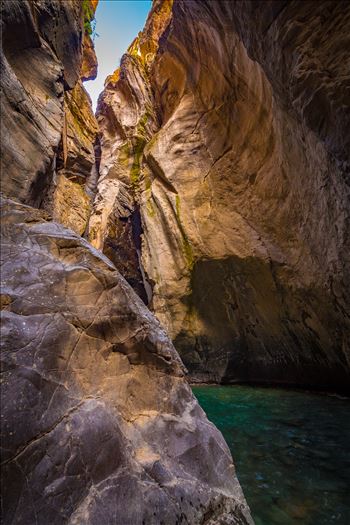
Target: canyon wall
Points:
(225, 130)
(48, 128)
(99, 424)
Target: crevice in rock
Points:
(137, 232)
(92, 180)
(42, 188)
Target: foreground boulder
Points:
(99, 424)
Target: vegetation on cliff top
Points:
(89, 18)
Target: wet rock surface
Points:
(242, 181)
(99, 423)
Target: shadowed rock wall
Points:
(41, 57)
(48, 129)
(240, 168)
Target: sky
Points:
(117, 24)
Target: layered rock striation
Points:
(225, 127)
(48, 128)
(41, 57)
(99, 425)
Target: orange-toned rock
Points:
(129, 119)
(89, 64)
(241, 181)
(41, 61)
(71, 205)
(71, 199)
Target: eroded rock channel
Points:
(200, 217)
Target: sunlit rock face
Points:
(127, 119)
(230, 138)
(70, 199)
(99, 424)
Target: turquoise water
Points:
(291, 451)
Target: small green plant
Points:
(89, 19)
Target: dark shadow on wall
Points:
(261, 325)
(123, 247)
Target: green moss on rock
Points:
(186, 245)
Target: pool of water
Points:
(291, 451)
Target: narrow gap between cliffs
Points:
(116, 25)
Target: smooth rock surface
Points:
(99, 424)
(243, 185)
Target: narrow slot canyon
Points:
(175, 262)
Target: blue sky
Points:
(117, 24)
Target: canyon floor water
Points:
(291, 451)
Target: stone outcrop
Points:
(99, 424)
(302, 51)
(41, 58)
(226, 126)
(89, 64)
(48, 128)
(70, 201)
(73, 184)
